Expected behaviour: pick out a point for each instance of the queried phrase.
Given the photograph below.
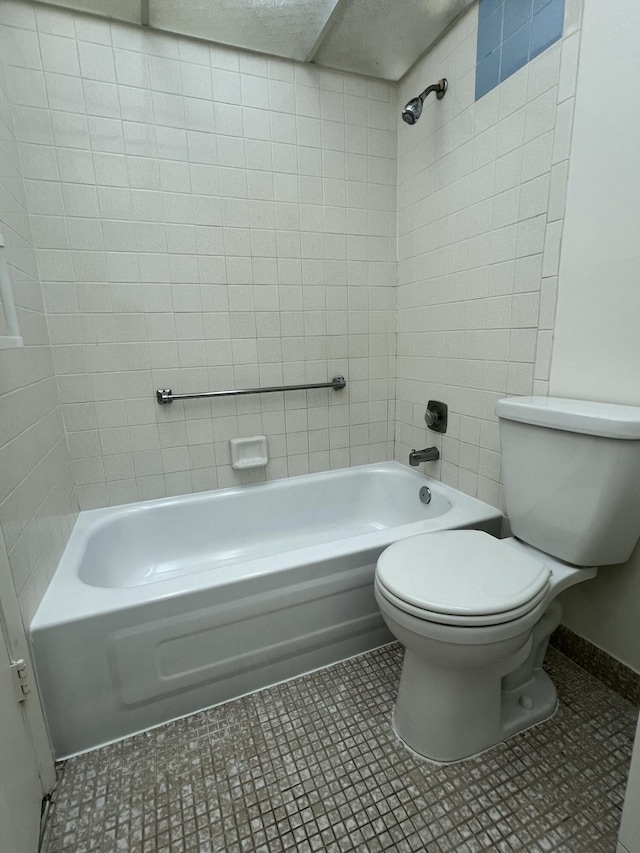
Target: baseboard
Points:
(616, 675)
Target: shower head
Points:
(413, 108)
(412, 111)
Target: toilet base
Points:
(456, 700)
(529, 705)
(514, 720)
(447, 739)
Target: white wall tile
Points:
(96, 62)
(166, 162)
(475, 228)
(37, 501)
(59, 55)
(245, 218)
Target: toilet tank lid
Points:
(608, 420)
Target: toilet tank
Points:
(571, 474)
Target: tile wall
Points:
(204, 219)
(482, 186)
(37, 506)
(512, 33)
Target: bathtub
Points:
(162, 608)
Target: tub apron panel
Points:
(142, 624)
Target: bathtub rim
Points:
(70, 599)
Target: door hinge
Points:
(21, 679)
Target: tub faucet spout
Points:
(429, 454)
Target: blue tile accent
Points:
(487, 7)
(488, 74)
(546, 27)
(516, 15)
(510, 34)
(489, 33)
(515, 51)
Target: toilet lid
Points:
(461, 573)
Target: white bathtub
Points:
(161, 608)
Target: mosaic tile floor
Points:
(312, 765)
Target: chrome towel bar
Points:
(166, 395)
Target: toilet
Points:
(475, 613)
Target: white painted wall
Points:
(629, 838)
(605, 610)
(20, 788)
(596, 353)
(26, 763)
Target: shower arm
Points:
(439, 88)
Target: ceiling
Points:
(378, 38)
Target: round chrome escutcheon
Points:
(425, 494)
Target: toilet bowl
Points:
(475, 613)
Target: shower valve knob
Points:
(435, 416)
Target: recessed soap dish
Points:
(249, 452)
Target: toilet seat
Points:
(461, 577)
